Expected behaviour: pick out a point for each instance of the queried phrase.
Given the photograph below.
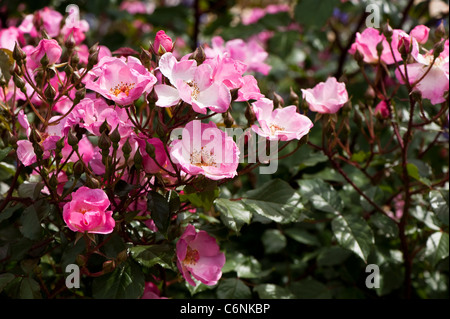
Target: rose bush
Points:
(221, 151)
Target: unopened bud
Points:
(228, 119)
(278, 101)
(50, 92)
(105, 127)
(104, 142)
(150, 149)
(404, 47)
(19, 82)
(92, 59)
(438, 49)
(93, 48)
(60, 144)
(294, 97)
(70, 42)
(126, 149)
(137, 159)
(359, 57)
(45, 35)
(152, 97)
(160, 130)
(74, 60)
(109, 266)
(388, 32)
(79, 95)
(198, 55)
(250, 115)
(234, 94)
(416, 95)
(18, 53)
(115, 137)
(72, 140)
(78, 169)
(44, 61)
(380, 48)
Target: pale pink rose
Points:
(250, 53)
(85, 149)
(204, 149)
(326, 97)
(51, 21)
(436, 82)
(119, 80)
(134, 7)
(199, 256)
(252, 16)
(77, 29)
(23, 121)
(87, 212)
(366, 43)
(382, 109)
(163, 40)
(50, 48)
(420, 33)
(283, 124)
(193, 84)
(9, 37)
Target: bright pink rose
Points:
(50, 48)
(366, 43)
(326, 97)
(87, 212)
(120, 81)
(9, 37)
(382, 109)
(134, 7)
(420, 33)
(160, 155)
(77, 29)
(199, 256)
(164, 41)
(204, 149)
(283, 124)
(151, 291)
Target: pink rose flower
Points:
(420, 33)
(119, 80)
(163, 43)
(193, 84)
(134, 7)
(326, 97)
(436, 82)
(199, 256)
(51, 21)
(151, 291)
(204, 149)
(283, 124)
(382, 110)
(77, 29)
(9, 37)
(87, 212)
(50, 48)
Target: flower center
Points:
(274, 128)
(203, 158)
(195, 89)
(192, 256)
(122, 88)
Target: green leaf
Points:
(9, 211)
(273, 241)
(233, 288)
(244, 266)
(310, 289)
(282, 43)
(4, 152)
(439, 204)
(6, 61)
(321, 195)
(332, 256)
(151, 255)
(437, 247)
(159, 207)
(413, 171)
(271, 291)
(31, 226)
(353, 233)
(233, 213)
(275, 200)
(204, 198)
(5, 279)
(30, 189)
(302, 236)
(314, 13)
(29, 289)
(126, 282)
(6, 171)
(385, 225)
(71, 252)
